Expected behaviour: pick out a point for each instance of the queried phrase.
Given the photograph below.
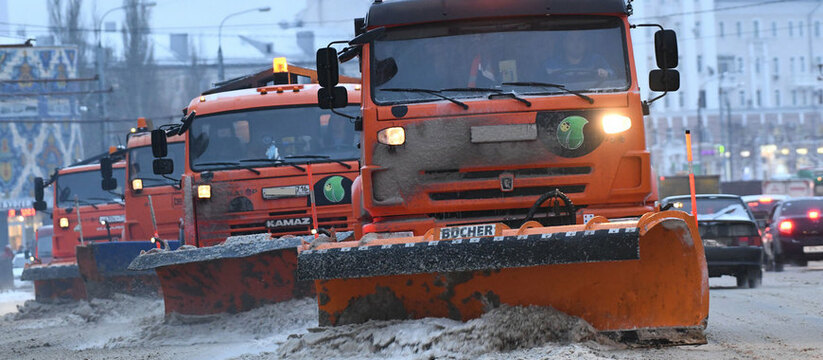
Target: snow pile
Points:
(258, 330)
(501, 330)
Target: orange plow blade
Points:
(642, 282)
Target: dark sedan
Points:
(731, 239)
(794, 232)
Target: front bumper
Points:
(731, 260)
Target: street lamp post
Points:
(221, 75)
(101, 79)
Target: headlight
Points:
(64, 222)
(392, 136)
(137, 184)
(613, 123)
(204, 191)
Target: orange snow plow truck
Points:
(264, 169)
(504, 162)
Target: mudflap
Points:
(104, 269)
(58, 282)
(227, 278)
(643, 282)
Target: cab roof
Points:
(264, 97)
(400, 12)
(144, 139)
(89, 167)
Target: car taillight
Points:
(813, 214)
(786, 227)
(749, 241)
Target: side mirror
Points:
(665, 49)
(368, 36)
(328, 71)
(162, 166)
(108, 183)
(331, 98)
(39, 204)
(664, 80)
(159, 146)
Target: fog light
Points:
(137, 184)
(204, 191)
(613, 123)
(64, 222)
(392, 136)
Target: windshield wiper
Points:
(429, 91)
(323, 157)
(84, 202)
(729, 211)
(550, 85)
(512, 95)
(278, 162)
(226, 163)
(109, 201)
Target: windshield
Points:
(800, 207)
(86, 188)
(271, 137)
(140, 165)
(582, 54)
(714, 208)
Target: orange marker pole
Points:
(691, 174)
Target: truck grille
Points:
(497, 193)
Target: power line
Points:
(48, 80)
(80, 122)
(56, 93)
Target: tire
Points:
(755, 278)
(743, 281)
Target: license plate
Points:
(812, 249)
(467, 231)
(272, 193)
(283, 223)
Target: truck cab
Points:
(152, 199)
(256, 157)
(473, 112)
(81, 205)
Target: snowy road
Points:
(781, 320)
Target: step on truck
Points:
(80, 205)
(504, 162)
(153, 218)
(261, 162)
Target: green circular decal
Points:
(570, 132)
(333, 189)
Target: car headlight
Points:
(614, 123)
(204, 191)
(137, 184)
(392, 136)
(64, 222)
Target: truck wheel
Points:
(755, 278)
(743, 280)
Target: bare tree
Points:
(65, 26)
(137, 91)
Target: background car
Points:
(794, 232)
(731, 239)
(761, 206)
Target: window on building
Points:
(817, 29)
(802, 64)
(756, 28)
(740, 64)
(776, 66)
(791, 28)
(742, 95)
(666, 102)
(804, 97)
(681, 100)
(800, 28)
(721, 31)
(794, 97)
(739, 29)
(757, 65)
(817, 62)
(791, 65)
(699, 63)
(697, 29)
(774, 29)
(777, 98)
(758, 99)
(725, 63)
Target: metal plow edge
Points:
(642, 282)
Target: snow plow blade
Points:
(241, 274)
(642, 282)
(104, 269)
(56, 281)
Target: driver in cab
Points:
(577, 62)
